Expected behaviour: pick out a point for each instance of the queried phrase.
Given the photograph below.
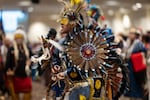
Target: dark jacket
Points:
(19, 65)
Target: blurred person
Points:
(50, 35)
(146, 41)
(57, 88)
(3, 49)
(137, 68)
(50, 66)
(122, 44)
(2, 80)
(2, 74)
(18, 68)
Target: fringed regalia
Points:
(91, 66)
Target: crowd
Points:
(135, 50)
(15, 67)
(15, 64)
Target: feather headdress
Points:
(71, 11)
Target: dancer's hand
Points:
(54, 78)
(61, 75)
(55, 69)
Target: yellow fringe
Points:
(91, 83)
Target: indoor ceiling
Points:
(48, 10)
(52, 6)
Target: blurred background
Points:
(120, 15)
(37, 16)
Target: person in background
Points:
(138, 79)
(146, 40)
(18, 67)
(3, 49)
(50, 66)
(46, 71)
(58, 88)
(2, 75)
(122, 45)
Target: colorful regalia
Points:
(92, 70)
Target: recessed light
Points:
(123, 10)
(30, 9)
(134, 7)
(126, 21)
(138, 5)
(110, 12)
(112, 3)
(54, 17)
(25, 3)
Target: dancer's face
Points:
(65, 28)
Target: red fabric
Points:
(102, 17)
(22, 84)
(138, 61)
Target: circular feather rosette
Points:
(87, 51)
(90, 51)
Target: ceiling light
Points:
(112, 3)
(30, 9)
(126, 21)
(138, 5)
(25, 3)
(110, 12)
(123, 10)
(134, 7)
(54, 17)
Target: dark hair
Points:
(52, 33)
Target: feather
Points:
(56, 44)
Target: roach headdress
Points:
(71, 11)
